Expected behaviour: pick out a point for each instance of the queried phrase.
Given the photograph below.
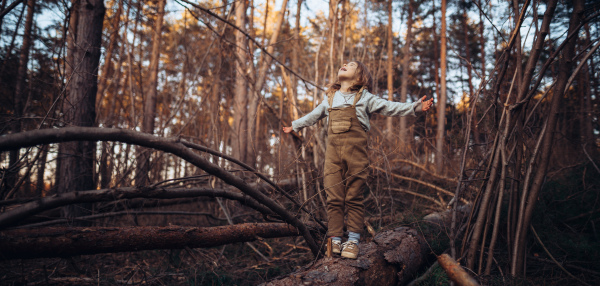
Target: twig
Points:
(420, 182)
(590, 158)
(254, 171)
(424, 276)
(424, 169)
(418, 195)
(207, 11)
(231, 223)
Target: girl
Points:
(349, 105)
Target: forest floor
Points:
(567, 234)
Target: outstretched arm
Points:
(309, 119)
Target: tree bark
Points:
(69, 65)
(441, 108)
(65, 242)
(392, 258)
(77, 164)
(455, 272)
(240, 97)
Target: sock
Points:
(355, 236)
(336, 238)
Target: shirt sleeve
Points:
(379, 105)
(313, 117)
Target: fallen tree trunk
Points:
(173, 146)
(64, 241)
(392, 258)
(16, 215)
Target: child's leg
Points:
(354, 236)
(356, 175)
(334, 188)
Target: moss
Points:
(436, 277)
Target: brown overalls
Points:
(346, 166)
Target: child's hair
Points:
(363, 79)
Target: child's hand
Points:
(426, 104)
(288, 129)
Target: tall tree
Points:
(406, 56)
(441, 108)
(240, 96)
(259, 82)
(390, 67)
(77, 164)
(150, 95)
(19, 95)
(69, 66)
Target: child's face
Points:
(347, 71)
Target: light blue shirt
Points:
(367, 105)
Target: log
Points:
(393, 257)
(455, 272)
(172, 146)
(70, 241)
(17, 214)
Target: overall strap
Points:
(330, 100)
(358, 96)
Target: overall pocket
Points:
(341, 124)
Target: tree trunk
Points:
(441, 109)
(19, 96)
(392, 258)
(39, 185)
(564, 71)
(77, 164)
(468, 65)
(107, 68)
(240, 97)
(143, 161)
(71, 40)
(65, 242)
(390, 72)
(405, 141)
(175, 147)
(18, 214)
(256, 93)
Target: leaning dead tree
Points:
(522, 147)
(173, 146)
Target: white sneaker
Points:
(350, 249)
(336, 246)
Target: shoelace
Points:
(349, 244)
